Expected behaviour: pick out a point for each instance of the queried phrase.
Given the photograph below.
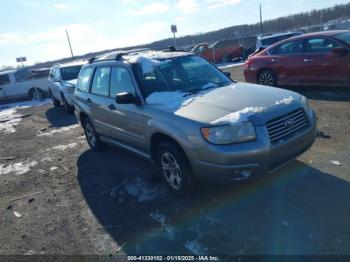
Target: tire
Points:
(55, 102)
(175, 168)
(36, 94)
(69, 109)
(91, 135)
(267, 78)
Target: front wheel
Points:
(176, 171)
(267, 78)
(91, 135)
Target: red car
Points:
(321, 59)
(220, 52)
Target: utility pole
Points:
(261, 22)
(70, 46)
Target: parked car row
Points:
(316, 59)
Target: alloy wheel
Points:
(171, 170)
(90, 134)
(266, 78)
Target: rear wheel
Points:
(36, 94)
(267, 78)
(69, 109)
(175, 169)
(91, 135)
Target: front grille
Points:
(286, 126)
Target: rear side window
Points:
(23, 75)
(100, 85)
(121, 82)
(289, 48)
(84, 79)
(320, 45)
(4, 79)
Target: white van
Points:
(23, 83)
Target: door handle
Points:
(274, 60)
(88, 101)
(112, 107)
(308, 60)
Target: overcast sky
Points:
(36, 28)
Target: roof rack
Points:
(117, 55)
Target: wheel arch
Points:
(158, 138)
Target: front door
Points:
(125, 119)
(321, 66)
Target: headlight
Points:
(305, 104)
(229, 134)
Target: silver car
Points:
(183, 114)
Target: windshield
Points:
(345, 37)
(188, 74)
(70, 73)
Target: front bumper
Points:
(240, 161)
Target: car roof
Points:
(277, 35)
(315, 34)
(8, 71)
(73, 63)
(133, 55)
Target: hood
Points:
(233, 103)
(72, 83)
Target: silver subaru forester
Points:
(189, 118)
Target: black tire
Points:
(177, 175)
(69, 109)
(267, 78)
(91, 135)
(55, 102)
(36, 94)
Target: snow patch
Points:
(239, 116)
(229, 65)
(57, 131)
(195, 247)
(285, 101)
(10, 118)
(143, 190)
(17, 168)
(147, 60)
(65, 147)
(158, 217)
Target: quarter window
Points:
(100, 85)
(84, 79)
(121, 82)
(4, 79)
(320, 45)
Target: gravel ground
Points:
(59, 197)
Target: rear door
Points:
(285, 60)
(321, 66)
(98, 100)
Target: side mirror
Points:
(228, 74)
(340, 51)
(126, 98)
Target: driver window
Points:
(121, 82)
